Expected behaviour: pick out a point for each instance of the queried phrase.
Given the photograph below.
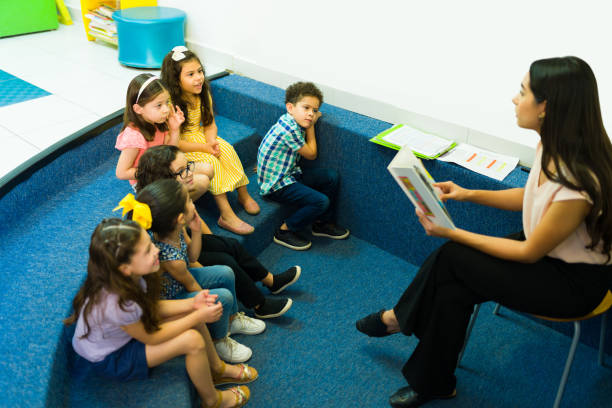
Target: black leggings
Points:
(437, 305)
(217, 250)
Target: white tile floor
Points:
(85, 79)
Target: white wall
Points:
(456, 62)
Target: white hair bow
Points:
(177, 52)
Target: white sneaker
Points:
(230, 351)
(243, 324)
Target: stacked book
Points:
(101, 24)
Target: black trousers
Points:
(437, 305)
(217, 250)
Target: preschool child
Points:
(150, 120)
(161, 162)
(122, 329)
(183, 74)
(280, 178)
(172, 210)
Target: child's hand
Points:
(316, 117)
(210, 314)
(176, 117)
(204, 299)
(216, 149)
(199, 300)
(196, 223)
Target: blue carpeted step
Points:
(270, 217)
(242, 137)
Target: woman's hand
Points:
(176, 118)
(431, 229)
(450, 190)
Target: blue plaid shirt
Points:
(277, 157)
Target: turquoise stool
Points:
(147, 34)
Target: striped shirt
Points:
(277, 157)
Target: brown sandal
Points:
(247, 374)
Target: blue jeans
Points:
(219, 279)
(315, 195)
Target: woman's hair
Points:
(171, 76)
(150, 92)
(154, 164)
(574, 139)
(166, 198)
(112, 244)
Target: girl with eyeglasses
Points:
(168, 162)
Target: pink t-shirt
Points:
(536, 201)
(105, 332)
(131, 138)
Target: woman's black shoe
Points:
(372, 325)
(406, 397)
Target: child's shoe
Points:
(273, 307)
(247, 374)
(291, 240)
(282, 280)
(329, 230)
(243, 324)
(231, 351)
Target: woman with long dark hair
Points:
(558, 266)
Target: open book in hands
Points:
(416, 182)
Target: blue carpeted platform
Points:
(312, 356)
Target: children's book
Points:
(417, 184)
(424, 145)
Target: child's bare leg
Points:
(191, 344)
(216, 365)
(229, 220)
(202, 174)
(244, 198)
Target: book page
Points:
(421, 142)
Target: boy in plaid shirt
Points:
(280, 178)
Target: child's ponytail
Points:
(166, 198)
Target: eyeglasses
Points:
(185, 171)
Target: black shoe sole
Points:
(280, 313)
(298, 272)
(321, 234)
(296, 248)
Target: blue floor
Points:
(14, 90)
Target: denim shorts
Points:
(127, 363)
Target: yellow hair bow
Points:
(141, 213)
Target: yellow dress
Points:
(229, 173)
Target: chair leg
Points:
(602, 338)
(568, 365)
(468, 332)
(496, 310)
